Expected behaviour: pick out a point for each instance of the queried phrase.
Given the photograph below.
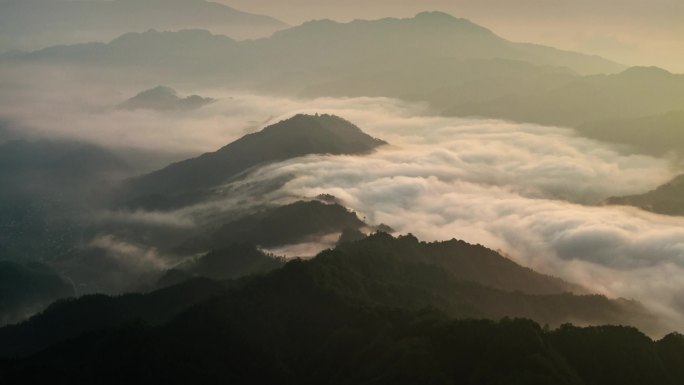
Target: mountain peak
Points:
(316, 121)
(164, 98)
(435, 15)
(437, 18)
(188, 36)
(299, 135)
(645, 72)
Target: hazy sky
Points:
(638, 32)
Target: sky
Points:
(633, 32)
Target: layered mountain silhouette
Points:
(284, 225)
(460, 68)
(298, 136)
(44, 187)
(69, 318)
(37, 166)
(667, 199)
(638, 107)
(26, 288)
(317, 50)
(235, 261)
(164, 99)
(351, 314)
(196, 241)
(34, 24)
(657, 135)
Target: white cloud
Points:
(519, 188)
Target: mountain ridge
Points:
(347, 317)
(293, 137)
(667, 199)
(55, 22)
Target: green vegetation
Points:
(378, 310)
(235, 261)
(70, 318)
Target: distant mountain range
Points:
(460, 68)
(667, 199)
(641, 107)
(317, 50)
(164, 99)
(654, 134)
(35, 24)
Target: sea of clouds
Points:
(532, 192)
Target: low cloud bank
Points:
(527, 190)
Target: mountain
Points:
(314, 53)
(462, 280)
(45, 189)
(474, 263)
(426, 37)
(634, 107)
(350, 345)
(235, 261)
(69, 318)
(25, 288)
(164, 99)
(456, 66)
(356, 314)
(633, 93)
(667, 199)
(654, 135)
(298, 136)
(35, 24)
(284, 225)
(39, 166)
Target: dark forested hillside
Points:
(297, 136)
(235, 261)
(25, 288)
(70, 318)
(289, 224)
(474, 263)
(348, 318)
(282, 313)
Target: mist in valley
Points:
(140, 161)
